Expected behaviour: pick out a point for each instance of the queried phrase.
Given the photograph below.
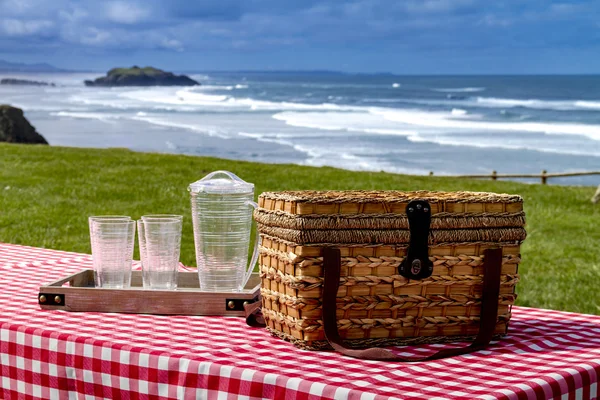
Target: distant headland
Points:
(24, 82)
(136, 76)
(7, 66)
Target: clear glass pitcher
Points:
(222, 207)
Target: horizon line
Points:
(316, 71)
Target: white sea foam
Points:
(395, 85)
(347, 157)
(205, 130)
(105, 101)
(498, 102)
(104, 117)
(216, 87)
(44, 107)
(238, 86)
(268, 138)
(284, 105)
(560, 105)
(419, 124)
(442, 121)
(342, 121)
(588, 104)
(171, 99)
(191, 97)
(459, 90)
(169, 96)
(379, 131)
(313, 152)
(374, 120)
(369, 100)
(529, 103)
(487, 144)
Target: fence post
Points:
(494, 177)
(544, 177)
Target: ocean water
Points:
(404, 124)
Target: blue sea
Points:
(405, 124)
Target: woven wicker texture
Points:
(386, 202)
(442, 220)
(389, 196)
(374, 303)
(391, 236)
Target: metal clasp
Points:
(417, 265)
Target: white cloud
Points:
(74, 15)
(171, 44)
(16, 27)
(95, 37)
(126, 13)
(17, 7)
(204, 25)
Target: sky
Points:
(396, 36)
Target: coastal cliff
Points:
(15, 128)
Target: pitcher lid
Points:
(221, 182)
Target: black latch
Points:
(417, 265)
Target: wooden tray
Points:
(187, 299)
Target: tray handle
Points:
(81, 276)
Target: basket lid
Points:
(380, 217)
(387, 202)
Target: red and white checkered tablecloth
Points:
(58, 354)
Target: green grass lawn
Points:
(47, 193)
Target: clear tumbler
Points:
(160, 242)
(112, 240)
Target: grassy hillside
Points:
(47, 193)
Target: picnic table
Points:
(52, 354)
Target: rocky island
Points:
(136, 76)
(14, 127)
(24, 82)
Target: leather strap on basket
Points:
(253, 313)
(487, 323)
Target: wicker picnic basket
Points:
(378, 301)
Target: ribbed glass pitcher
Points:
(222, 206)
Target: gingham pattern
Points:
(56, 354)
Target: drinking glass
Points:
(160, 242)
(162, 216)
(112, 240)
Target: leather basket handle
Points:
(487, 324)
(253, 313)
